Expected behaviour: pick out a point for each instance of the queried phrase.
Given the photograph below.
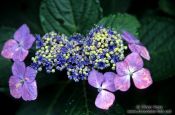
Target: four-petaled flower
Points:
(17, 48)
(132, 66)
(135, 45)
(105, 85)
(22, 83)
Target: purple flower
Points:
(135, 45)
(132, 66)
(17, 48)
(105, 85)
(22, 83)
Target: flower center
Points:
(21, 82)
(100, 89)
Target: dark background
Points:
(14, 13)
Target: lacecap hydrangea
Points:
(83, 57)
(100, 49)
(50, 52)
(58, 52)
(104, 47)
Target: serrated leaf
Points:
(5, 64)
(69, 16)
(158, 34)
(71, 99)
(121, 22)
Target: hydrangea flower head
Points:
(60, 52)
(17, 48)
(51, 49)
(78, 63)
(132, 66)
(22, 83)
(135, 45)
(105, 85)
(104, 47)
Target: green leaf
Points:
(71, 99)
(5, 64)
(69, 16)
(121, 22)
(114, 6)
(168, 6)
(158, 34)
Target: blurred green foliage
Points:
(167, 6)
(158, 34)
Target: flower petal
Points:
(20, 54)
(18, 69)
(108, 83)
(9, 48)
(122, 83)
(142, 78)
(95, 78)
(30, 74)
(134, 62)
(122, 68)
(104, 100)
(128, 37)
(140, 50)
(28, 42)
(29, 91)
(15, 87)
(21, 33)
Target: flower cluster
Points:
(130, 67)
(22, 83)
(104, 47)
(78, 63)
(101, 49)
(55, 51)
(50, 52)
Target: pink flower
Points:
(105, 85)
(135, 45)
(132, 67)
(22, 83)
(17, 48)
